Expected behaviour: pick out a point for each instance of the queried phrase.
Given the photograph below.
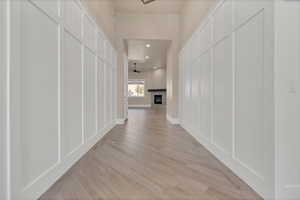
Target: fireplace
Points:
(158, 99)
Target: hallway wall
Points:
(3, 103)
(62, 91)
(192, 15)
(287, 109)
(227, 102)
(104, 14)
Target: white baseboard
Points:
(172, 120)
(120, 121)
(140, 106)
(46, 180)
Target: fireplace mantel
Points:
(157, 90)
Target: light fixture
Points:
(148, 45)
(155, 67)
(147, 1)
(147, 57)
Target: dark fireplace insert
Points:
(157, 99)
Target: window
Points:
(136, 88)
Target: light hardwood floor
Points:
(149, 159)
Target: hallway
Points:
(147, 158)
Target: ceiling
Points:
(137, 52)
(157, 7)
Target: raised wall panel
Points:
(287, 17)
(205, 95)
(109, 53)
(100, 47)
(189, 97)
(100, 87)
(242, 90)
(205, 37)
(107, 95)
(71, 95)
(39, 92)
(90, 93)
(72, 17)
(3, 103)
(223, 21)
(50, 7)
(195, 48)
(223, 89)
(89, 34)
(250, 93)
(246, 9)
(195, 94)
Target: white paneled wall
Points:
(62, 86)
(3, 102)
(287, 82)
(227, 89)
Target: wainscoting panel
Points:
(287, 82)
(235, 83)
(39, 92)
(223, 95)
(250, 93)
(90, 93)
(195, 93)
(205, 95)
(3, 101)
(73, 18)
(100, 45)
(101, 95)
(223, 21)
(54, 88)
(52, 8)
(89, 33)
(71, 95)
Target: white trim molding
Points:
(140, 106)
(120, 121)
(172, 120)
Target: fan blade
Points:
(147, 1)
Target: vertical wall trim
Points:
(59, 70)
(212, 85)
(82, 84)
(233, 40)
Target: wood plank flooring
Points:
(149, 159)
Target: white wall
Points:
(226, 93)
(3, 172)
(62, 91)
(287, 81)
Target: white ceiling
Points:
(157, 54)
(158, 6)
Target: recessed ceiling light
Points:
(147, 57)
(148, 45)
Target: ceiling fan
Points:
(147, 1)
(135, 70)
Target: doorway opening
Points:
(146, 75)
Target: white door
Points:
(125, 60)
